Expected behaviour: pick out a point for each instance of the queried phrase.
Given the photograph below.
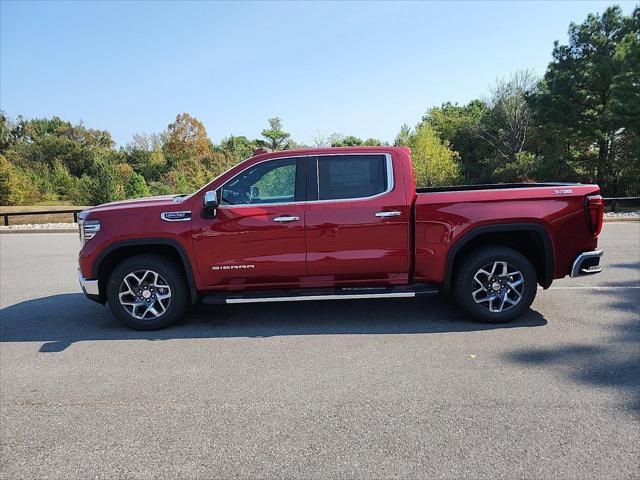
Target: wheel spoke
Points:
(144, 294)
(161, 306)
(129, 287)
(491, 308)
(515, 284)
(498, 286)
(503, 298)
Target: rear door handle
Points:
(386, 214)
(286, 218)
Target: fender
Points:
(504, 227)
(139, 242)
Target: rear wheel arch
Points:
(530, 239)
(119, 251)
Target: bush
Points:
(434, 163)
(17, 187)
(62, 181)
(523, 169)
(159, 189)
(136, 187)
(103, 186)
(5, 181)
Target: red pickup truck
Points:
(336, 223)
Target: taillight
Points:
(594, 207)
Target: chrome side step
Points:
(305, 295)
(305, 298)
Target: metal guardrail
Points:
(613, 201)
(6, 215)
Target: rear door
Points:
(257, 237)
(357, 220)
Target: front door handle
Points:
(286, 218)
(386, 214)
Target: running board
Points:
(304, 295)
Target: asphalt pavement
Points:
(352, 389)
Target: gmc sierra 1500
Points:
(336, 223)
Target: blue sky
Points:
(356, 68)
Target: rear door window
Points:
(351, 176)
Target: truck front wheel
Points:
(495, 284)
(147, 292)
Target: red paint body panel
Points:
(342, 242)
(442, 219)
(346, 242)
(246, 238)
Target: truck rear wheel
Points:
(147, 292)
(495, 284)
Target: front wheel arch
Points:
(119, 251)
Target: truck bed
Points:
(490, 186)
(443, 215)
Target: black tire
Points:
(171, 275)
(464, 285)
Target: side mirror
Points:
(254, 192)
(210, 205)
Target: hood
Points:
(136, 203)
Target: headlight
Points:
(88, 229)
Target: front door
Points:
(257, 237)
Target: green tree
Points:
(5, 181)
(349, 141)
(62, 182)
(103, 185)
(17, 186)
(434, 163)
(237, 147)
(191, 158)
(590, 89)
(455, 124)
(275, 136)
(524, 168)
(507, 120)
(136, 186)
(7, 132)
(404, 136)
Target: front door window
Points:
(268, 182)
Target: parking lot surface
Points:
(370, 388)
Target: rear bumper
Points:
(90, 287)
(587, 263)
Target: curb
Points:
(621, 219)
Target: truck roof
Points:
(329, 151)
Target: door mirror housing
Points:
(210, 204)
(254, 192)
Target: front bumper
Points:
(587, 263)
(90, 287)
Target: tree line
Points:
(579, 122)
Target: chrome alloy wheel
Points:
(498, 286)
(145, 294)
